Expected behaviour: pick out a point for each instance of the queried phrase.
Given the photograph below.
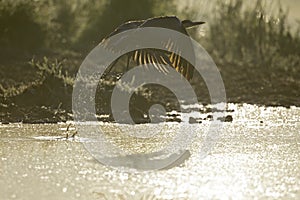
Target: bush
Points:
(18, 28)
(251, 37)
(103, 21)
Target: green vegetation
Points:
(43, 43)
(251, 36)
(258, 55)
(54, 69)
(18, 29)
(76, 25)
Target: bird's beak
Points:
(198, 23)
(193, 24)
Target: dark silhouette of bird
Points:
(159, 58)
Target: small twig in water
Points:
(67, 132)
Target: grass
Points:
(54, 69)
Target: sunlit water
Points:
(257, 156)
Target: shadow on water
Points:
(256, 155)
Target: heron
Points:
(158, 58)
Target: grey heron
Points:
(155, 56)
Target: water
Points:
(257, 156)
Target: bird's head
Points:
(189, 24)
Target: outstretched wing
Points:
(158, 58)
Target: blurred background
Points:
(255, 44)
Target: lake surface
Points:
(256, 156)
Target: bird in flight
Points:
(159, 58)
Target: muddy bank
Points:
(49, 100)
